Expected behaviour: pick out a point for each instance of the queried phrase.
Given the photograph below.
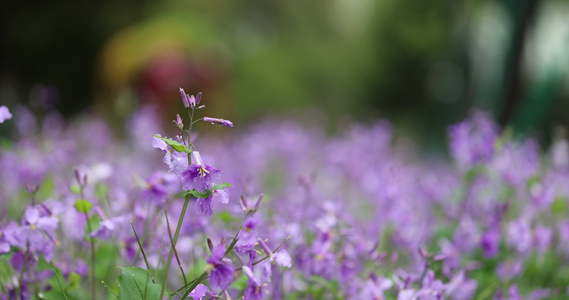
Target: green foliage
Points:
(241, 282)
(208, 192)
(559, 207)
(83, 206)
(174, 144)
(137, 283)
(321, 288)
(107, 255)
(75, 189)
(226, 217)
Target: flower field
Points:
(277, 211)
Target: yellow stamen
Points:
(32, 226)
(203, 171)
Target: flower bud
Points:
(210, 245)
(198, 98)
(265, 248)
(184, 98)
(258, 202)
(179, 122)
(196, 158)
(243, 204)
(217, 121)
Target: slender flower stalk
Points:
(176, 234)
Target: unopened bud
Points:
(196, 158)
(258, 203)
(198, 98)
(200, 107)
(210, 245)
(217, 121)
(81, 180)
(179, 122)
(243, 204)
(32, 188)
(192, 100)
(265, 247)
(184, 98)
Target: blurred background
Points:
(420, 64)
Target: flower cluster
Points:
(356, 216)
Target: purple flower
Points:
(199, 176)
(6, 234)
(490, 242)
(217, 121)
(36, 231)
(507, 271)
(247, 237)
(221, 269)
(519, 236)
(374, 287)
(254, 289)
(472, 141)
(205, 206)
(542, 237)
(460, 287)
(159, 186)
(201, 292)
(4, 114)
(176, 161)
(185, 99)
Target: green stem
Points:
(202, 277)
(21, 277)
(92, 244)
(174, 248)
(57, 277)
(178, 227)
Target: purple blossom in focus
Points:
(199, 176)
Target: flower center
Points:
(33, 226)
(203, 171)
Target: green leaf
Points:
(136, 283)
(207, 192)
(73, 281)
(220, 186)
(197, 194)
(83, 206)
(75, 189)
(95, 222)
(174, 144)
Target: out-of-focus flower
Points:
(490, 242)
(519, 236)
(221, 269)
(254, 289)
(159, 186)
(4, 114)
(472, 141)
(201, 292)
(176, 161)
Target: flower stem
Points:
(180, 220)
(92, 244)
(57, 277)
